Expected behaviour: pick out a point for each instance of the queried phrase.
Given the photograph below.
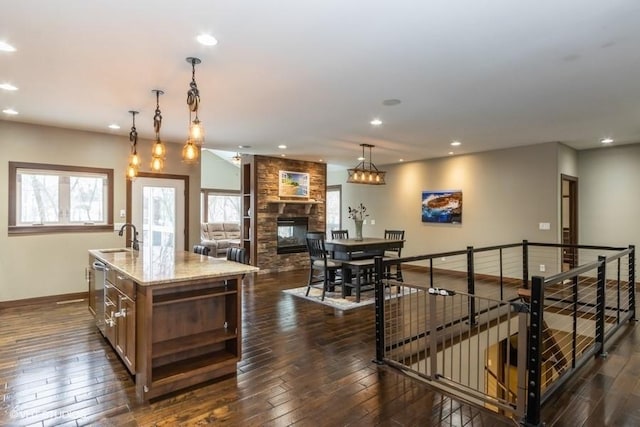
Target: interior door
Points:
(569, 221)
(157, 209)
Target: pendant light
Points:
(134, 159)
(366, 172)
(158, 151)
(191, 149)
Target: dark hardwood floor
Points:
(303, 364)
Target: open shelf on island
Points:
(202, 363)
(189, 342)
(308, 204)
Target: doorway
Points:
(157, 204)
(569, 220)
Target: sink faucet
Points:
(134, 243)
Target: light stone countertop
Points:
(160, 265)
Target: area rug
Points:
(335, 300)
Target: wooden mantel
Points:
(308, 204)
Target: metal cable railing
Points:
(482, 306)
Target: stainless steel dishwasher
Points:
(100, 270)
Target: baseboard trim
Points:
(51, 299)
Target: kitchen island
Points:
(174, 318)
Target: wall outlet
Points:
(123, 213)
(543, 267)
(544, 226)
(373, 222)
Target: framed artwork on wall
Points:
(293, 184)
(443, 207)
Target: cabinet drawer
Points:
(123, 283)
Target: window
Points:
(220, 206)
(334, 208)
(51, 198)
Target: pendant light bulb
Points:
(135, 159)
(158, 149)
(157, 164)
(190, 152)
(196, 131)
(132, 172)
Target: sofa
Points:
(218, 236)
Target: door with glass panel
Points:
(333, 208)
(157, 210)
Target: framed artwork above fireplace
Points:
(293, 184)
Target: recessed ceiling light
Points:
(401, 160)
(7, 86)
(376, 122)
(606, 140)
(244, 146)
(6, 47)
(456, 143)
(10, 111)
(283, 155)
(282, 147)
(114, 126)
(361, 159)
(451, 153)
(207, 40)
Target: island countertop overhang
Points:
(161, 266)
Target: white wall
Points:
(608, 199)
(218, 173)
(41, 265)
(506, 194)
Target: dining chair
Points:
(322, 269)
(201, 249)
(394, 253)
(237, 255)
(339, 234)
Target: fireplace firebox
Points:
(292, 232)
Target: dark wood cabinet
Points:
(120, 312)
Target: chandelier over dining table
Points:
(366, 172)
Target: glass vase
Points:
(358, 229)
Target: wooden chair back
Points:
(339, 234)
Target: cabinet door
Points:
(126, 331)
(110, 309)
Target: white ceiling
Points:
(312, 74)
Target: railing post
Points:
(501, 278)
(525, 264)
(379, 308)
(522, 363)
(535, 352)
(433, 337)
(600, 304)
(632, 281)
(471, 285)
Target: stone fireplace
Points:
(292, 233)
(264, 207)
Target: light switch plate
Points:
(544, 226)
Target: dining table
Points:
(357, 256)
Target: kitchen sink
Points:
(113, 251)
